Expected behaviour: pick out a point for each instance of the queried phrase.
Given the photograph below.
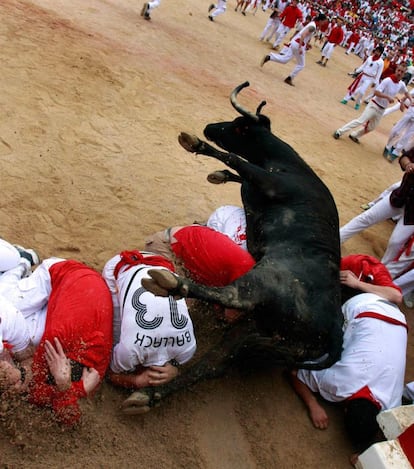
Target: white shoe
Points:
(29, 254)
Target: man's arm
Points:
(349, 279)
(317, 413)
(151, 376)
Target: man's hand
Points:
(91, 379)
(59, 364)
(158, 375)
(348, 278)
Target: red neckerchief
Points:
(394, 78)
(131, 258)
(375, 57)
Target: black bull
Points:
(292, 295)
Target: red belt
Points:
(379, 105)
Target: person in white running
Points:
(367, 74)
(148, 7)
(216, 10)
(296, 48)
(398, 256)
(384, 95)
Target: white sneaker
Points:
(29, 254)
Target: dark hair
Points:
(348, 292)
(321, 17)
(361, 423)
(380, 48)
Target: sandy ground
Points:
(93, 98)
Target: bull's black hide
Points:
(292, 295)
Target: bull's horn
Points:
(260, 107)
(236, 105)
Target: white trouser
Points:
(368, 121)
(30, 294)
(287, 53)
(220, 8)
(9, 256)
(350, 48)
(270, 29)
(402, 132)
(381, 211)
(154, 4)
(281, 32)
(361, 89)
(328, 49)
(385, 193)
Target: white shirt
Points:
(388, 87)
(309, 30)
(231, 221)
(372, 68)
(153, 329)
(374, 354)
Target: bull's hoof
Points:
(189, 142)
(164, 283)
(137, 403)
(152, 286)
(141, 402)
(218, 177)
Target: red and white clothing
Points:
(374, 111)
(402, 133)
(369, 73)
(148, 330)
(288, 18)
(335, 37)
(373, 357)
(231, 221)
(70, 301)
(273, 22)
(296, 49)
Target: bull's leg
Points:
(221, 177)
(269, 182)
(164, 283)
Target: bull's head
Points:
(244, 132)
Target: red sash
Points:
(381, 317)
(131, 258)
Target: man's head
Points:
(321, 17)
(379, 49)
(361, 423)
(400, 71)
